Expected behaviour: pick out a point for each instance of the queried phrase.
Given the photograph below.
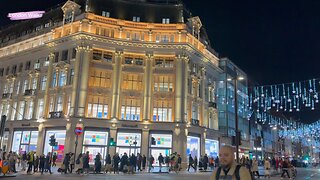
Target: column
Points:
(116, 83)
(41, 140)
(145, 143)
(49, 80)
(180, 88)
(80, 83)
(69, 143)
(180, 143)
(113, 134)
(148, 76)
(204, 112)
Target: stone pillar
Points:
(180, 143)
(204, 109)
(69, 143)
(113, 134)
(116, 83)
(145, 143)
(148, 76)
(41, 138)
(180, 88)
(203, 143)
(80, 83)
(49, 80)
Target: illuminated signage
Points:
(25, 15)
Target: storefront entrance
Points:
(95, 142)
(163, 145)
(24, 141)
(126, 143)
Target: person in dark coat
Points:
(116, 160)
(205, 162)
(124, 161)
(151, 160)
(108, 159)
(47, 163)
(139, 161)
(191, 162)
(97, 163)
(41, 163)
(161, 161)
(144, 162)
(54, 159)
(36, 164)
(133, 162)
(66, 162)
(86, 162)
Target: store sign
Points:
(162, 140)
(25, 15)
(95, 138)
(78, 131)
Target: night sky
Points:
(273, 41)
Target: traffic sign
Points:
(78, 131)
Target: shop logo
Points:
(25, 15)
(95, 138)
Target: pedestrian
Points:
(151, 160)
(216, 161)
(144, 162)
(195, 165)
(30, 159)
(211, 163)
(36, 164)
(47, 163)
(116, 160)
(41, 163)
(123, 161)
(66, 163)
(191, 162)
(285, 168)
(254, 168)
(71, 161)
(108, 166)
(167, 160)
(79, 164)
(179, 161)
(86, 160)
(228, 168)
(54, 159)
(205, 162)
(133, 162)
(267, 167)
(139, 161)
(23, 161)
(161, 161)
(97, 163)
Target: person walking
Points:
(116, 160)
(54, 159)
(30, 159)
(86, 160)
(23, 161)
(216, 161)
(47, 163)
(144, 162)
(254, 168)
(228, 168)
(151, 160)
(132, 162)
(97, 163)
(179, 161)
(36, 164)
(195, 163)
(267, 167)
(41, 163)
(139, 161)
(108, 166)
(285, 168)
(79, 164)
(191, 162)
(205, 162)
(66, 163)
(161, 161)
(123, 161)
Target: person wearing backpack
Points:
(228, 168)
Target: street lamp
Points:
(235, 85)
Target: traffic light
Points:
(112, 143)
(153, 141)
(52, 141)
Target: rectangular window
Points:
(62, 79)
(14, 69)
(56, 56)
(97, 55)
(25, 85)
(65, 55)
(139, 61)
(165, 21)
(163, 83)
(136, 19)
(34, 84)
(46, 61)
(40, 108)
(28, 65)
(14, 110)
(130, 109)
(37, 65)
(54, 79)
(59, 104)
(74, 53)
(107, 57)
(11, 87)
(51, 105)
(71, 76)
(132, 82)
(18, 87)
(97, 107)
(100, 79)
(68, 105)
(43, 83)
(21, 110)
(30, 110)
(128, 60)
(162, 110)
(1, 72)
(105, 14)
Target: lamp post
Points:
(235, 85)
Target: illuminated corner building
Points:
(127, 70)
(226, 108)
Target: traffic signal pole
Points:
(75, 151)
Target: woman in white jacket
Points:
(267, 167)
